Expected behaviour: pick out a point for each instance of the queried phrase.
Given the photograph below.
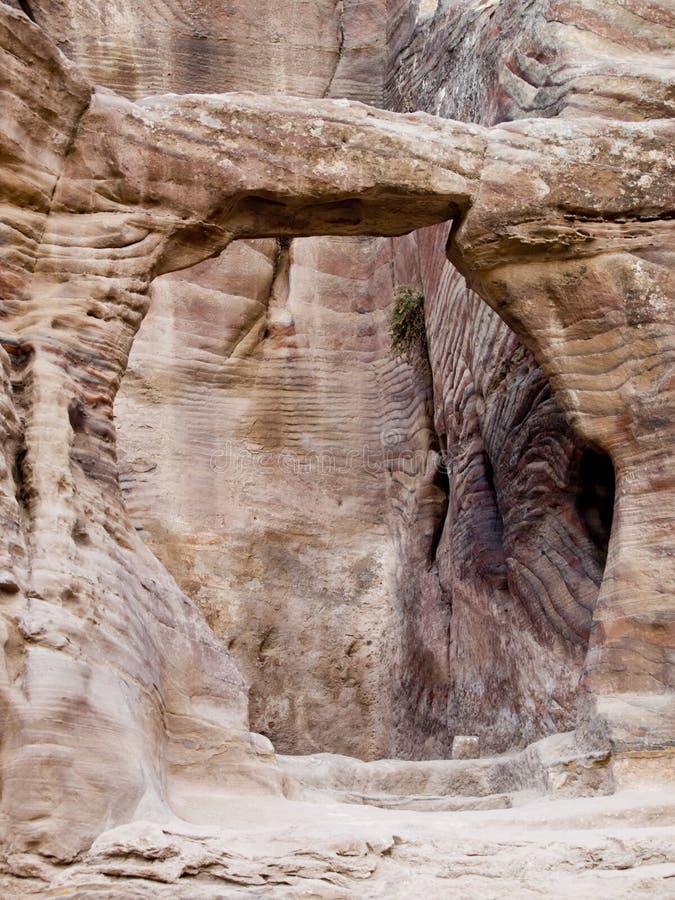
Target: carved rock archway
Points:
(112, 678)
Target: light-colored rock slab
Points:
(465, 747)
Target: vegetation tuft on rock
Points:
(408, 334)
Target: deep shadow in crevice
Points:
(595, 497)
(440, 480)
(490, 478)
(76, 416)
(21, 481)
(25, 6)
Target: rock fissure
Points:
(340, 7)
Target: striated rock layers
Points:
(521, 573)
(118, 701)
(266, 374)
(374, 605)
(505, 557)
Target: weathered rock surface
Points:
(520, 573)
(280, 531)
(501, 589)
(316, 47)
(267, 373)
(385, 615)
(496, 232)
(617, 845)
(500, 59)
(118, 702)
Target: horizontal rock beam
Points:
(200, 170)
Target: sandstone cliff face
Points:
(510, 574)
(99, 641)
(118, 701)
(102, 654)
(508, 581)
(253, 417)
(266, 378)
(489, 63)
(312, 48)
(562, 59)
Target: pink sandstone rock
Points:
(113, 678)
(403, 689)
(301, 592)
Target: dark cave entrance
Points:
(595, 497)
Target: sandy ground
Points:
(619, 846)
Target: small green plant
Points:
(408, 335)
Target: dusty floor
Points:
(620, 846)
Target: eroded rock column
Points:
(593, 299)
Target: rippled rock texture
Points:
(265, 375)
(275, 456)
(523, 551)
(119, 702)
